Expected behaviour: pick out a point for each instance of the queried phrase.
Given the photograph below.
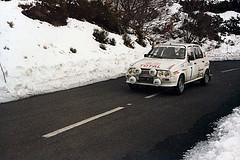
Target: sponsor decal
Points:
(150, 65)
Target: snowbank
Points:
(229, 50)
(224, 142)
(36, 57)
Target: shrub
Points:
(102, 46)
(223, 6)
(140, 38)
(127, 41)
(232, 26)
(200, 26)
(113, 15)
(45, 47)
(218, 45)
(52, 11)
(6, 48)
(25, 6)
(101, 36)
(189, 6)
(230, 42)
(56, 12)
(112, 42)
(73, 50)
(141, 42)
(11, 24)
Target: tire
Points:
(180, 85)
(133, 86)
(205, 80)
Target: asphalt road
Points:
(151, 124)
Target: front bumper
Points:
(152, 81)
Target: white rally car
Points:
(170, 66)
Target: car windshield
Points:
(175, 52)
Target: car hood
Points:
(157, 63)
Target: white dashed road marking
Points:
(59, 131)
(230, 70)
(151, 96)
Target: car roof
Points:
(174, 44)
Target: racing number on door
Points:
(192, 71)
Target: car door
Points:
(192, 67)
(199, 60)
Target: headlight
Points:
(160, 73)
(131, 71)
(134, 71)
(166, 74)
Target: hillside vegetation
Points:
(131, 16)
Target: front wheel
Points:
(205, 80)
(180, 85)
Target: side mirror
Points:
(145, 55)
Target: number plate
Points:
(145, 73)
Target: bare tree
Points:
(200, 27)
(136, 13)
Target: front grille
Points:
(145, 80)
(145, 73)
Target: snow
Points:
(224, 142)
(228, 50)
(226, 15)
(174, 8)
(36, 57)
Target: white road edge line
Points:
(230, 70)
(151, 96)
(59, 131)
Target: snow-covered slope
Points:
(172, 20)
(223, 144)
(228, 50)
(36, 57)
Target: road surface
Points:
(108, 121)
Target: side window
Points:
(195, 52)
(198, 53)
(190, 52)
